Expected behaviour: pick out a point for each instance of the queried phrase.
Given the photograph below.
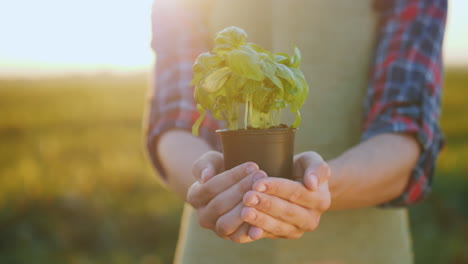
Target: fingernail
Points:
(313, 181)
(261, 188)
(259, 175)
(205, 174)
(254, 200)
(250, 169)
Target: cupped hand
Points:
(217, 195)
(283, 208)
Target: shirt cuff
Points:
(431, 142)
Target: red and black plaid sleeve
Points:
(179, 35)
(405, 83)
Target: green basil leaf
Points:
(231, 36)
(259, 49)
(216, 80)
(245, 62)
(302, 89)
(268, 67)
(296, 59)
(286, 73)
(236, 73)
(297, 120)
(282, 58)
(205, 64)
(196, 125)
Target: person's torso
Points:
(336, 39)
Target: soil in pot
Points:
(272, 149)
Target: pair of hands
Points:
(243, 204)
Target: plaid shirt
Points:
(403, 95)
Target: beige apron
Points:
(336, 38)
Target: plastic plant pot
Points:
(271, 149)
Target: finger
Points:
(281, 209)
(292, 191)
(316, 175)
(227, 201)
(269, 224)
(200, 194)
(298, 170)
(242, 234)
(315, 170)
(208, 165)
(228, 223)
(256, 233)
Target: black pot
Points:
(271, 149)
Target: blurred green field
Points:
(75, 186)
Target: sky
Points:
(42, 37)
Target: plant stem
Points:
(246, 112)
(251, 111)
(273, 117)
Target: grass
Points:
(75, 186)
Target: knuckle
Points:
(191, 197)
(312, 155)
(196, 168)
(207, 156)
(264, 203)
(208, 191)
(289, 211)
(322, 165)
(203, 220)
(246, 212)
(244, 186)
(216, 206)
(324, 170)
(296, 195)
(234, 174)
(271, 186)
(222, 228)
(259, 219)
(277, 229)
(206, 159)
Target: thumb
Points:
(316, 170)
(207, 166)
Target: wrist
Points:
(335, 175)
(178, 150)
(337, 183)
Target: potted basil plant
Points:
(249, 87)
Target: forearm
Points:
(178, 150)
(373, 172)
